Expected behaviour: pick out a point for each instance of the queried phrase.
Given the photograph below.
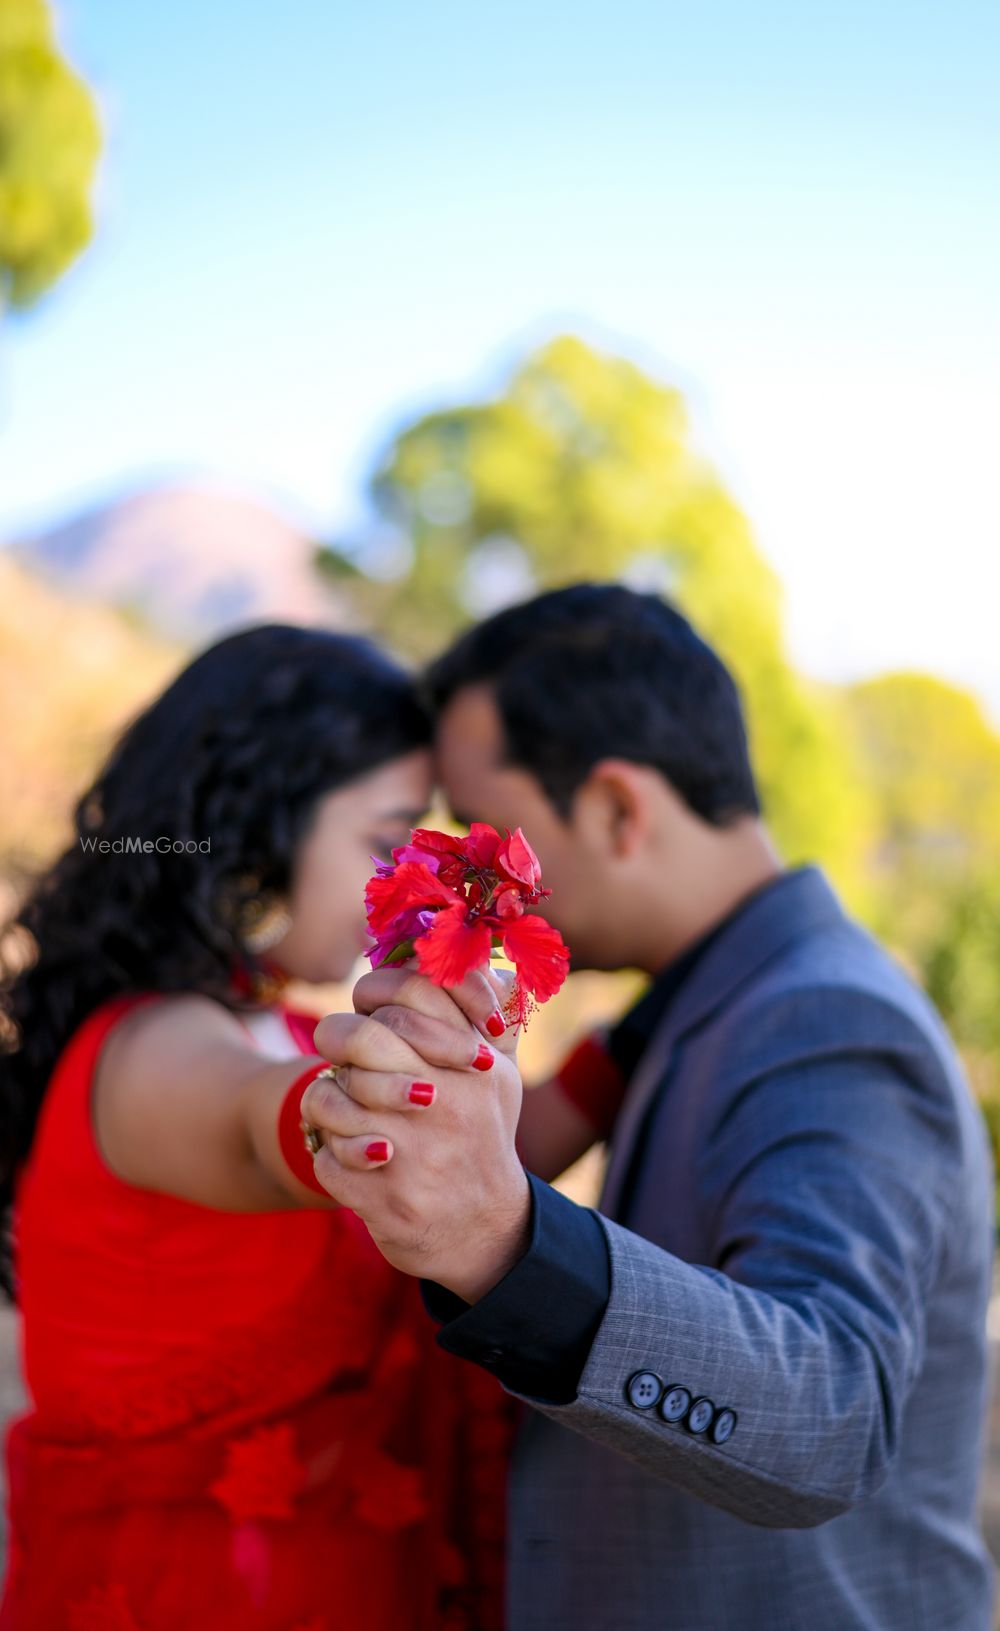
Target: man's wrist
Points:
(508, 1238)
(566, 1271)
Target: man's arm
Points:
(824, 1174)
(535, 1328)
(831, 1217)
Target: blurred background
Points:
(384, 317)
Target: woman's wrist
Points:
(295, 1143)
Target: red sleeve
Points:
(593, 1082)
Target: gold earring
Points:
(264, 924)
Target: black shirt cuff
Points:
(535, 1328)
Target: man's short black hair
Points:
(596, 671)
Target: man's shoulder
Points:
(833, 1039)
(835, 993)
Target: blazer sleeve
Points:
(828, 1181)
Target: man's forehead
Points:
(470, 728)
(469, 752)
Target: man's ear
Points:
(614, 806)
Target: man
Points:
(757, 1372)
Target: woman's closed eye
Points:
(381, 845)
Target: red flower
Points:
(471, 895)
(482, 844)
(517, 859)
(457, 859)
(538, 953)
(508, 901)
(453, 945)
(412, 884)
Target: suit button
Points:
(723, 1426)
(643, 1390)
(699, 1416)
(674, 1403)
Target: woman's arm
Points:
(562, 1117)
(183, 1104)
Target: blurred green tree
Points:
(932, 761)
(582, 468)
(49, 145)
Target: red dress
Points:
(240, 1422)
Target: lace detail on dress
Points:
(263, 1475)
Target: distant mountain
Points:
(192, 561)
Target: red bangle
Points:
(292, 1130)
(593, 1083)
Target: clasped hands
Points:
(419, 1124)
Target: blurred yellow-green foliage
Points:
(582, 467)
(49, 145)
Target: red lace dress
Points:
(240, 1422)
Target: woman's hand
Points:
(433, 1173)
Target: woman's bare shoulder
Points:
(169, 1100)
(171, 1033)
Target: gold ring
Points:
(312, 1136)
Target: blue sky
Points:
(317, 219)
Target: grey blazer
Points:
(780, 1424)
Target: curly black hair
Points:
(237, 750)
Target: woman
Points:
(240, 1418)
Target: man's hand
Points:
(419, 1126)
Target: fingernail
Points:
(496, 1024)
(378, 1150)
(484, 1058)
(422, 1093)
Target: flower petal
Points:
(508, 902)
(517, 860)
(411, 884)
(482, 844)
(413, 852)
(401, 930)
(453, 946)
(439, 843)
(539, 954)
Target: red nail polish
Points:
(378, 1150)
(496, 1024)
(484, 1058)
(422, 1093)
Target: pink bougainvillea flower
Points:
(412, 852)
(397, 944)
(508, 901)
(518, 861)
(452, 901)
(458, 856)
(409, 885)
